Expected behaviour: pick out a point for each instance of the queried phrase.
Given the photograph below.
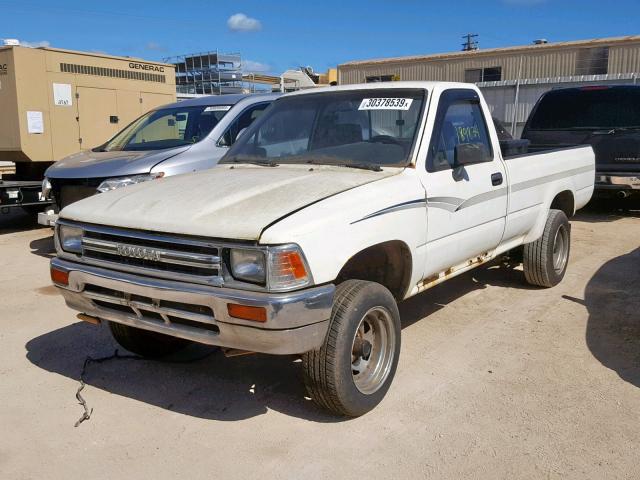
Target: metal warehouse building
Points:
(512, 78)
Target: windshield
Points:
(167, 128)
(360, 128)
(591, 108)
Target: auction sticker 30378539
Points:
(385, 104)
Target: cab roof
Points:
(385, 85)
(212, 100)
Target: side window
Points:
(459, 121)
(243, 121)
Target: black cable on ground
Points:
(87, 361)
(116, 356)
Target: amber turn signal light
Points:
(292, 262)
(245, 312)
(59, 277)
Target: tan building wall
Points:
(105, 94)
(528, 62)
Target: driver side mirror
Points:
(469, 153)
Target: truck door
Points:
(97, 116)
(465, 183)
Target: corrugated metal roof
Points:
(90, 54)
(497, 51)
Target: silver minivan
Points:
(178, 138)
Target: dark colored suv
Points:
(605, 117)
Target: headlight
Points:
(279, 268)
(113, 183)
(46, 188)
(248, 265)
(70, 238)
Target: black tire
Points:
(146, 343)
(541, 267)
(328, 372)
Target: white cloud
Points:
(250, 66)
(42, 43)
(239, 22)
(155, 46)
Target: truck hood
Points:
(91, 164)
(227, 202)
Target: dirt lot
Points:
(496, 380)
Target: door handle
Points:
(496, 179)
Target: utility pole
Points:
(470, 43)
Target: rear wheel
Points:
(353, 370)
(545, 260)
(146, 343)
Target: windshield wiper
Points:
(374, 167)
(251, 160)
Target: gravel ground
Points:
(496, 380)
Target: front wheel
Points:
(545, 260)
(353, 370)
(146, 343)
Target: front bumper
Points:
(296, 321)
(48, 218)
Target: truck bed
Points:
(534, 177)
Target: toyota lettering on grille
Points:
(138, 252)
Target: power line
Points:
(470, 43)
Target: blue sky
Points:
(276, 35)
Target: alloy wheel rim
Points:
(373, 350)
(560, 249)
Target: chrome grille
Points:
(153, 254)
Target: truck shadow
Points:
(498, 273)
(613, 327)
(200, 381)
(600, 210)
(17, 220)
(43, 247)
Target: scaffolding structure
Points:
(208, 73)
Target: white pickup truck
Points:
(330, 208)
